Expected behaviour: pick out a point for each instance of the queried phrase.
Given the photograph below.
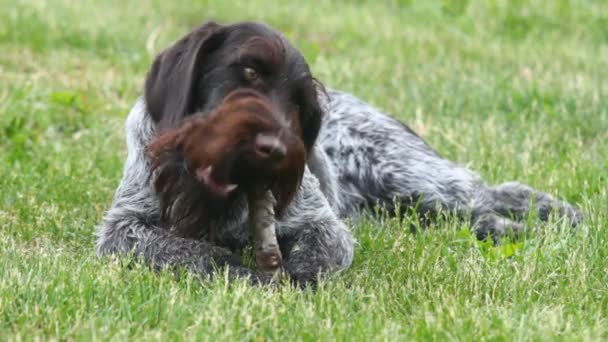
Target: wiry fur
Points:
(362, 158)
(376, 160)
(312, 237)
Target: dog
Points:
(342, 157)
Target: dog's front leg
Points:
(313, 240)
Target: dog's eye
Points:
(250, 74)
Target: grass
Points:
(515, 89)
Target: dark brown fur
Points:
(201, 69)
(224, 138)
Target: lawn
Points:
(517, 90)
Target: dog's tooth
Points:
(204, 174)
(231, 187)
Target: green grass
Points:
(515, 89)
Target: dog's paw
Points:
(570, 213)
(494, 226)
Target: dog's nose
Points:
(270, 147)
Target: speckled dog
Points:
(356, 157)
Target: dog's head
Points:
(260, 97)
(237, 145)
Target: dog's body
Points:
(376, 160)
(361, 158)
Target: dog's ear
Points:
(172, 78)
(311, 112)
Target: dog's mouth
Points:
(255, 164)
(215, 185)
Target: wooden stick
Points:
(263, 232)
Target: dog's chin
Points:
(283, 182)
